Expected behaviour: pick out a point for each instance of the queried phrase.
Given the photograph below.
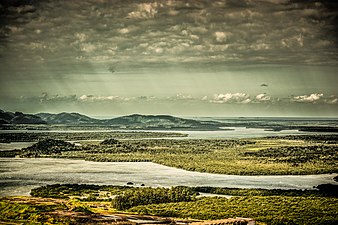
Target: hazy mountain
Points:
(67, 118)
(134, 121)
(19, 118)
(137, 121)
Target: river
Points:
(19, 175)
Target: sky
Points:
(186, 58)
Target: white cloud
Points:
(308, 98)
(331, 99)
(184, 97)
(227, 98)
(22, 9)
(36, 45)
(276, 1)
(263, 97)
(293, 42)
(260, 46)
(14, 29)
(222, 36)
(92, 98)
(144, 10)
(88, 47)
(81, 37)
(124, 31)
(231, 98)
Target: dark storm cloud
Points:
(169, 32)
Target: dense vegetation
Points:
(323, 190)
(268, 206)
(298, 154)
(261, 156)
(83, 135)
(102, 192)
(268, 209)
(23, 210)
(47, 147)
(87, 192)
(232, 156)
(148, 195)
(328, 139)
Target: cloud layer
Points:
(170, 32)
(139, 54)
(226, 98)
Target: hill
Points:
(157, 122)
(131, 122)
(67, 118)
(19, 118)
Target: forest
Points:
(315, 154)
(83, 135)
(75, 204)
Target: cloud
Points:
(81, 36)
(222, 36)
(263, 97)
(88, 47)
(48, 98)
(219, 32)
(231, 98)
(239, 98)
(124, 31)
(308, 98)
(144, 11)
(92, 98)
(22, 9)
(332, 100)
(182, 97)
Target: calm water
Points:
(18, 176)
(237, 132)
(15, 145)
(240, 132)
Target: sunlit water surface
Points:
(18, 176)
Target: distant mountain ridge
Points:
(131, 122)
(67, 118)
(19, 118)
(137, 121)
